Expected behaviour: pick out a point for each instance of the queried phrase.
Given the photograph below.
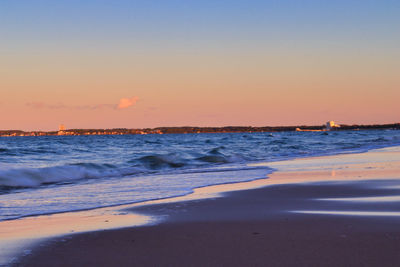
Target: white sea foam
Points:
(54, 174)
(30, 177)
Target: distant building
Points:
(61, 129)
(330, 125)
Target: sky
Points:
(138, 64)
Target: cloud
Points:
(92, 107)
(127, 102)
(41, 105)
(123, 103)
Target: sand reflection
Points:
(19, 235)
(351, 213)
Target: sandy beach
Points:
(199, 133)
(350, 218)
(244, 229)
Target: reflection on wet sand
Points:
(364, 184)
(18, 235)
(351, 213)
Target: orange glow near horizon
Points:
(216, 71)
(211, 91)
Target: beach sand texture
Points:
(287, 221)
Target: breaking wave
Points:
(43, 175)
(160, 161)
(34, 177)
(136, 155)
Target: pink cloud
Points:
(127, 102)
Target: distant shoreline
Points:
(189, 129)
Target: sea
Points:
(54, 174)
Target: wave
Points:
(213, 159)
(160, 161)
(34, 177)
(153, 158)
(7, 152)
(153, 163)
(180, 160)
(216, 156)
(216, 150)
(27, 151)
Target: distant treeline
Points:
(188, 129)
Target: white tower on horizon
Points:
(331, 125)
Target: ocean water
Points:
(50, 174)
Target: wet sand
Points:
(245, 228)
(288, 222)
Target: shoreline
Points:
(195, 130)
(166, 208)
(242, 228)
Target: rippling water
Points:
(53, 174)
